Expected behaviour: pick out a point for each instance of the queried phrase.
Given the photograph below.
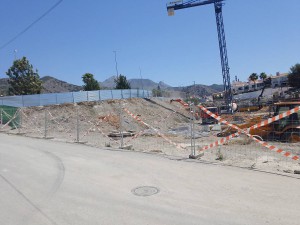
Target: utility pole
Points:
(15, 54)
(142, 82)
(194, 89)
(116, 62)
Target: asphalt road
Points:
(47, 182)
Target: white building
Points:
(279, 80)
(242, 87)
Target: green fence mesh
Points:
(9, 114)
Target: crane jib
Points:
(176, 5)
(183, 5)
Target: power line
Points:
(30, 25)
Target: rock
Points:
(296, 171)
(128, 147)
(118, 134)
(216, 127)
(288, 171)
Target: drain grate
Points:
(145, 191)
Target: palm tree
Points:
(263, 76)
(253, 77)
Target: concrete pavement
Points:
(47, 182)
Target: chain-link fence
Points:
(157, 126)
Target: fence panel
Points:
(65, 98)
(71, 97)
(93, 96)
(105, 95)
(48, 99)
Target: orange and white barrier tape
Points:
(154, 129)
(275, 118)
(141, 132)
(246, 131)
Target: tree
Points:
(294, 76)
(122, 82)
(253, 77)
(263, 76)
(90, 83)
(23, 80)
(157, 92)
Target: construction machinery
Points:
(206, 119)
(287, 129)
(176, 5)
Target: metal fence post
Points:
(73, 97)
(137, 93)
(45, 134)
(192, 124)
(112, 96)
(56, 99)
(121, 93)
(192, 130)
(1, 116)
(23, 101)
(77, 126)
(121, 122)
(20, 117)
(194, 140)
(87, 96)
(129, 93)
(99, 95)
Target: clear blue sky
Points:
(80, 36)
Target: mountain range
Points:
(53, 85)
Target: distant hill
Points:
(200, 90)
(53, 85)
(147, 84)
(50, 85)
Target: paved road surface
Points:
(46, 182)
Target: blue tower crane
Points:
(179, 4)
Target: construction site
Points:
(146, 151)
(258, 140)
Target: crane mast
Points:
(176, 5)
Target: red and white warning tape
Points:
(246, 131)
(154, 129)
(141, 132)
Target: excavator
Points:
(286, 129)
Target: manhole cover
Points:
(145, 191)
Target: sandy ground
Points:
(91, 123)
